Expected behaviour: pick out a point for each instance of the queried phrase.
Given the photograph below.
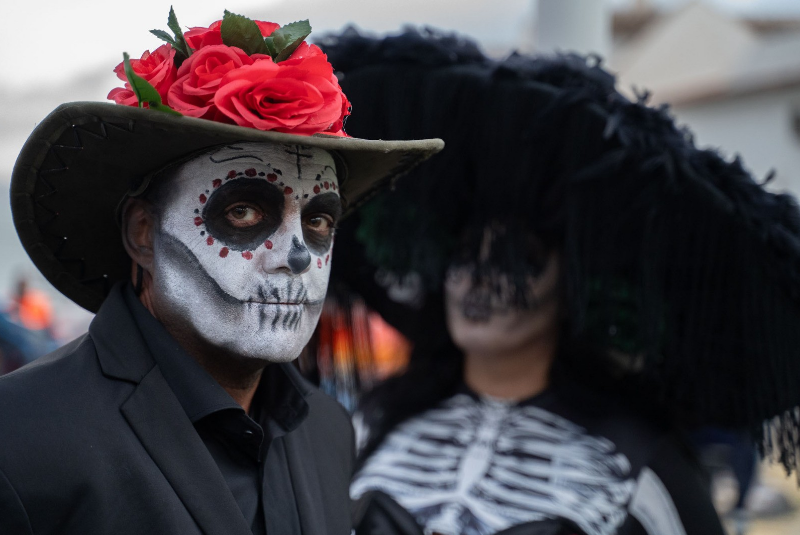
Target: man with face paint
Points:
(590, 285)
(240, 263)
(181, 411)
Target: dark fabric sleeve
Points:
(377, 513)
(13, 518)
(672, 497)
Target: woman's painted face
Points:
(243, 246)
(483, 319)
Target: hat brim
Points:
(84, 157)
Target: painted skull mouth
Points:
(477, 306)
(284, 303)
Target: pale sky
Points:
(56, 41)
(80, 36)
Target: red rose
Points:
(300, 95)
(306, 50)
(199, 78)
(157, 67)
(200, 37)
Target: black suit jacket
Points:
(92, 440)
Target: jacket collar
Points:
(125, 354)
(162, 426)
(122, 351)
(160, 422)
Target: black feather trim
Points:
(681, 272)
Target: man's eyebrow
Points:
(237, 157)
(329, 203)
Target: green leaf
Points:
(242, 32)
(164, 36)
(180, 42)
(287, 38)
(145, 93)
(164, 108)
(270, 47)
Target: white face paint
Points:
(243, 247)
(481, 322)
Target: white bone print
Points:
(474, 467)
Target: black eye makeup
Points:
(320, 216)
(244, 213)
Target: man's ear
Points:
(138, 229)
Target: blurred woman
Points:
(591, 285)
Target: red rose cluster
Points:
(299, 95)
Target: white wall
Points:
(759, 127)
(582, 26)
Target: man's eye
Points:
(319, 223)
(243, 215)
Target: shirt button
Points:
(248, 434)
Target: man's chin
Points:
(272, 349)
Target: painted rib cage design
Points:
(476, 467)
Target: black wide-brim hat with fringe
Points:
(678, 267)
(85, 157)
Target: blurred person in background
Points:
(592, 286)
(203, 243)
(26, 327)
(30, 308)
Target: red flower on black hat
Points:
(250, 73)
(199, 77)
(299, 95)
(200, 37)
(158, 68)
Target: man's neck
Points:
(239, 376)
(514, 375)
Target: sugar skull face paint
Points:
(242, 253)
(485, 320)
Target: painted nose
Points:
(299, 257)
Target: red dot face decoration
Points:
(256, 222)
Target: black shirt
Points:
(248, 449)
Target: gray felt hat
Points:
(84, 158)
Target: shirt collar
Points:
(283, 390)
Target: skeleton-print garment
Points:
(476, 466)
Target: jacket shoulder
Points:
(50, 380)
(55, 362)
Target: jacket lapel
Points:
(161, 424)
(169, 437)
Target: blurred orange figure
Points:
(31, 308)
